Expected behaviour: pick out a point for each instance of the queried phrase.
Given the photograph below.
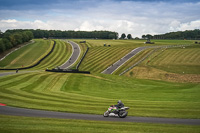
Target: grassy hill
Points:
(60, 55)
(27, 55)
(93, 93)
(173, 64)
(178, 60)
(80, 93)
(32, 53)
(100, 57)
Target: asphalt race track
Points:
(6, 73)
(75, 54)
(6, 110)
(123, 60)
(135, 51)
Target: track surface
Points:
(5, 110)
(6, 73)
(75, 55)
(123, 60)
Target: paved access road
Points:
(75, 55)
(6, 110)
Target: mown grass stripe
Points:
(15, 83)
(58, 57)
(9, 78)
(96, 58)
(28, 55)
(98, 64)
(52, 58)
(37, 95)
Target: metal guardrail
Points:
(82, 58)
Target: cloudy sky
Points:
(136, 17)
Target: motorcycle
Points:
(112, 110)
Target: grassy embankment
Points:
(173, 64)
(27, 55)
(99, 57)
(30, 54)
(93, 93)
(15, 124)
(60, 55)
(36, 90)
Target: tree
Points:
(30, 35)
(188, 34)
(129, 36)
(123, 36)
(2, 46)
(7, 35)
(1, 34)
(7, 43)
(149, 36)
(25, 37)
(143, 36)
(18, 38)
(111, 36)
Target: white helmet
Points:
(119, 101)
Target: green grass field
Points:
(99, 57)
(30, 54)
(27, 55)
(94, 93)
(174, 64)
(133, 61)
(16, 124)
(135, 43)
(60, 55)
(177, 60)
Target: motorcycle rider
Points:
(119, 105)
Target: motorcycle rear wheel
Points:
(123, 114)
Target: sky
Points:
(135, 17)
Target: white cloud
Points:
(190, 25)
(136, 18)
(14, 24)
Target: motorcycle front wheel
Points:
(106, 114)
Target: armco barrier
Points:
(82, 58)
(67, 71)
(34, 64)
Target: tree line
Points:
(70, 34)
(11, 39)
(14, 37)
(123, 36)
(188, 34)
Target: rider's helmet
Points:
(119, 102)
